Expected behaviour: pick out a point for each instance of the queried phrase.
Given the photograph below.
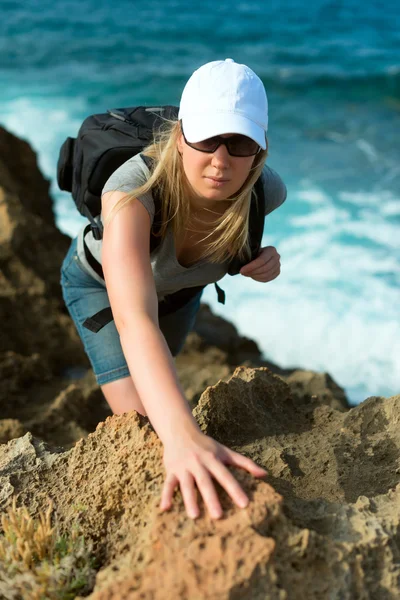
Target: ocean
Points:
(331, 70)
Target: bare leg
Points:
(122, 396)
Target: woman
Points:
(206, 164)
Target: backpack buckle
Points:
(96, 226)
(97, 233)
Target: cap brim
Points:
(201, 127)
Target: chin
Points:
(215, 193)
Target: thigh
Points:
(177, 325)
(83, 297)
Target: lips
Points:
(216, 179)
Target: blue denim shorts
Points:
(84, 296)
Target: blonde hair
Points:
(230, 230)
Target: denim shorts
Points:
(84, 296)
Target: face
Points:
(201, 167)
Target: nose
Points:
(220, 157)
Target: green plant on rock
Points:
(37, 563)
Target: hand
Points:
(195, 457)
(265, 267)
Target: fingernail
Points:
(243, 503)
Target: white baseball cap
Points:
(223, 96)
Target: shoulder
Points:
(274, 189)
(132, 173)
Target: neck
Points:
(216, 208)
(200, 204)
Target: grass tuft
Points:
(37, 563)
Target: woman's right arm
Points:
(188, 454)
(133, 298)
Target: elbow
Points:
(135, 319)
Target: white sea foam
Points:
(376, 200)
(327, 216)
(44, 124)
(391, 208)
(334, 306)
(308, 324)
(311, 194)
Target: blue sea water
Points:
(332, 75)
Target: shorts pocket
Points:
(73, 273)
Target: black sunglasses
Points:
(237, 144)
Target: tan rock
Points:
(324, 522)
(310, 529)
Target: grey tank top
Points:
(169, 275)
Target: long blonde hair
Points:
(229, 230)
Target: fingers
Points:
(271, 258)
(202, 474)
(229, 483)
(265, 272)
(189, 495)
(208, 491)
(188, 491)
(168, 490)
(268, 258)
(266, 275)
(225, 478)
(238, 460)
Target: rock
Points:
(323, 523)
(17, 372)
(209, 356)
(19, 175)
(33, 317)
(10, 429)
(21, 460)
(317, 385)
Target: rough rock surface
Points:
(324, 522)
(32, 313)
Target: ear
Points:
(180, 143)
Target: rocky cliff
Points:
(324, 522)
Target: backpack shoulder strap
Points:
(257, 216)
(154, 240)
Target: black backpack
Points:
(104, 142)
